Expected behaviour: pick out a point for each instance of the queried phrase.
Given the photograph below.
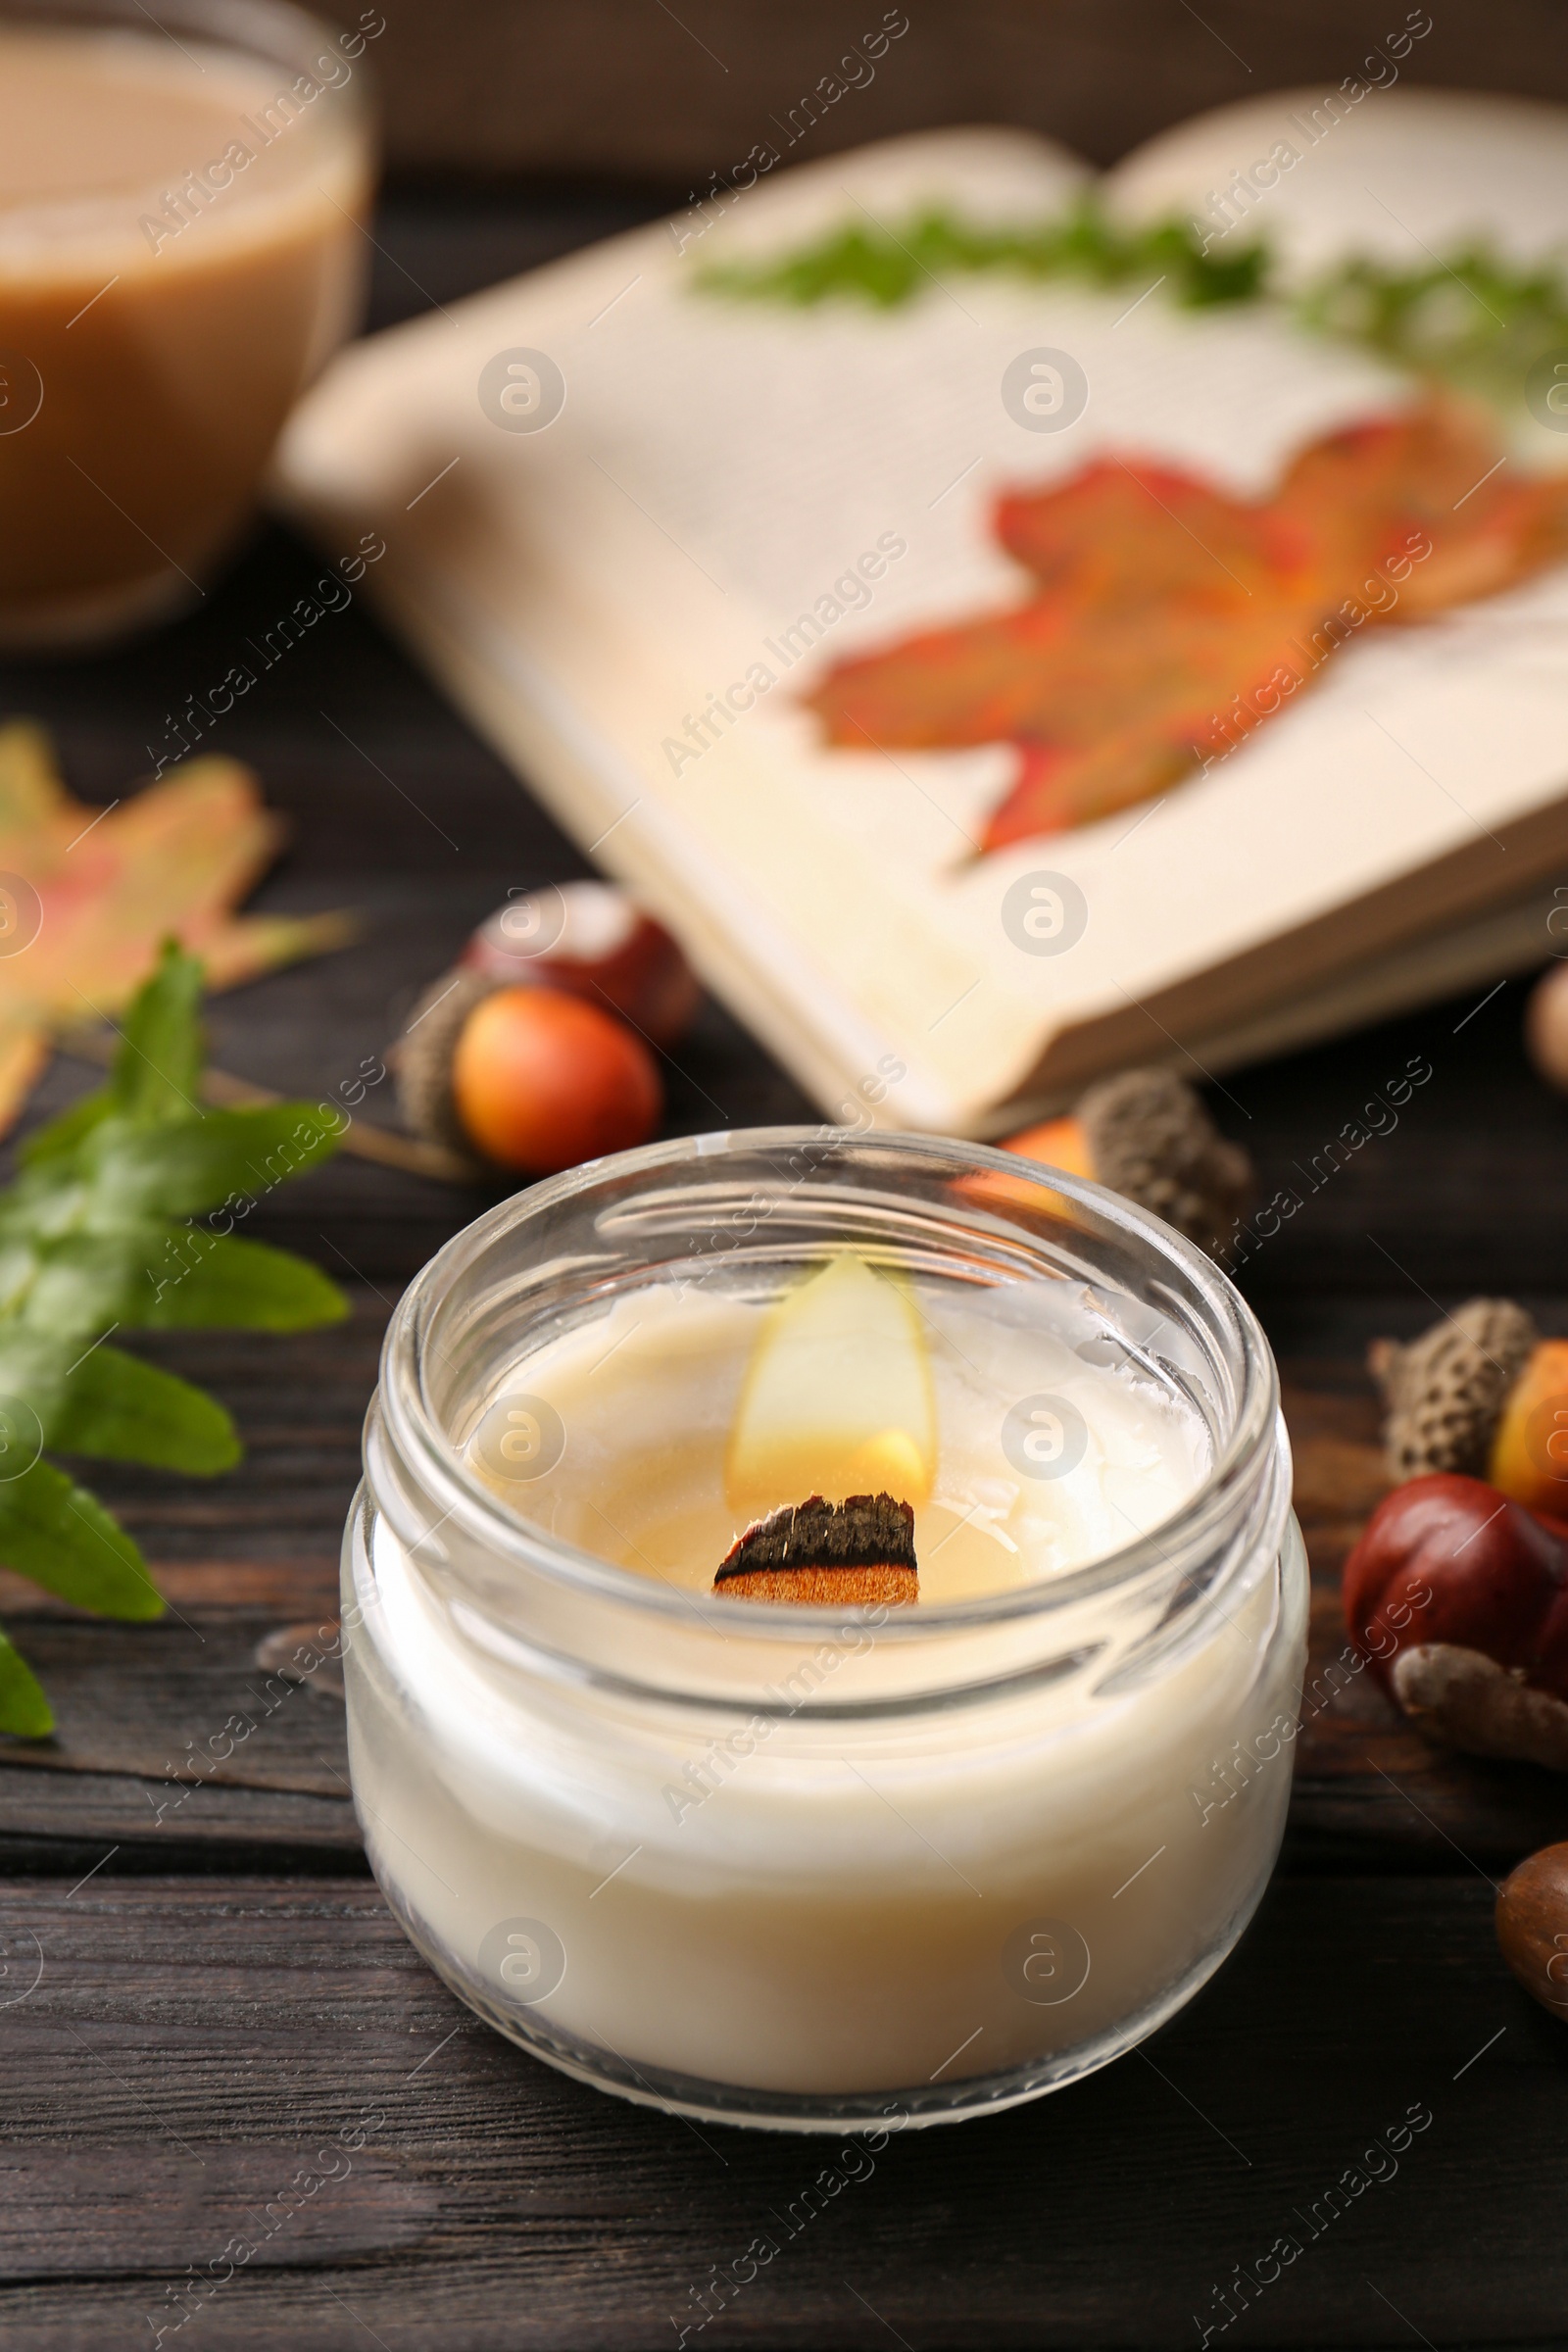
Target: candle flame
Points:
(837, 1398)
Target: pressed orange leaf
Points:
(1169, 618)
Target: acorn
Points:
(818, 1554)
(1483, 1395)
(532, 1087)
(1147, 1135)
(533, 1079)
(1463, 1698)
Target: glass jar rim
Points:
(1243, 1452)
(266, 30)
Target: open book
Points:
(725, 578)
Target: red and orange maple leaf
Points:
(1168, 619)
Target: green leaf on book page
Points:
(211, 1278)
(24, 1711)
(115, 1405)
(56, 1533)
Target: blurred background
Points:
(654, 97)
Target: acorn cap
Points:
(825, 1555)
(1151, 1139)
(1446, 1390)
(424, 1054)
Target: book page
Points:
(735, 496)
(1371, 168)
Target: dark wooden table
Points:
(195, 1999)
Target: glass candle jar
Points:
(801, 1867)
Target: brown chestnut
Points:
(1459, 1600)
(590, 940)
(1533, 1926)
(1448, 1559)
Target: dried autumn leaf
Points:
(1169, 618)
(86, 898)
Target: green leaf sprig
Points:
(96, 1235)
(1475, 321)
(888, 268)
(1471, 318)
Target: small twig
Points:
(361, 1137)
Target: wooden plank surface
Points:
(222, 1989)
(190, 2051)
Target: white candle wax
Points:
(648, 1394)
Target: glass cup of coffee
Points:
(182, 198)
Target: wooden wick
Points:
(820, 1554)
